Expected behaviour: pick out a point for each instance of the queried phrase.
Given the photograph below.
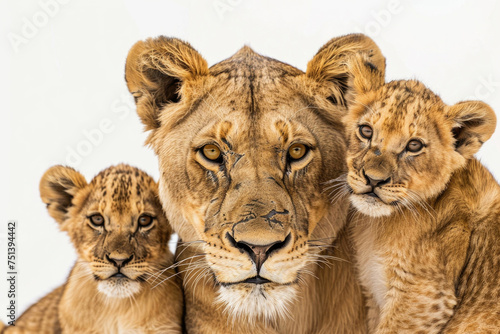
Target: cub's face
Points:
(405, 143)
(115, 222)
(243, 149)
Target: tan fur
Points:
(121, 194)
(428, 245)
(253, 108)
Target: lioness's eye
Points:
(365, 131)
(297, 151)
(212, 152)
(97, 219)
(145, 220)
(414, 145)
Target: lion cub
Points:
(121, 235)
(427, 234)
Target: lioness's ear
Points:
(473, 123)
(155, 71)
(330, 64)
(58, 186)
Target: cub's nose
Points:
(119, 260)
(375, 181)
(258, 253)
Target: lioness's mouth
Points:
(252, 280)
(372, 194)
(256, 280)
(118, 275)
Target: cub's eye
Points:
(97, 219)
(145, 220)
(414, 146)
(366, 131)
(297, 151)
(212, 153)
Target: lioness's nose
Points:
(259, 253)
(119, 260)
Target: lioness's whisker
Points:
(308, 272)
(326, 238)
(188, 269)
(176, 264)
(191, 242)
(188, 244)
(322, 256)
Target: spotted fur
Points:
(428, 222)
(253, 108)
(101, 296)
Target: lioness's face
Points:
(245, 170)
(405, 143)
(245, 149)
(115, 222)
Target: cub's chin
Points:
(264, 301)
(371, 206)
(118, 287)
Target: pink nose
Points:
(258, 253)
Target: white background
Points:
(65, 77)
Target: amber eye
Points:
(212, 152)
(145, 220)
(414, 146)
(97, 219)
(366, 131)
(297, 151)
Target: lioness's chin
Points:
(266, 301)
(371, 206)
(118, 287)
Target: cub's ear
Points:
(330, 64)
(58, 186)
(155, 71)
(364, 76)
(473, 123)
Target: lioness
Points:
(246, 149)
(428, 238)
(118, 228)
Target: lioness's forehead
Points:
(252, 84)
(241, 130)
(249, 65)
(248, 100)
(253, 93)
